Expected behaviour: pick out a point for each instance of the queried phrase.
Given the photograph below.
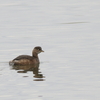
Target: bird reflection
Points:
(33, 68)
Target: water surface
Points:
(68, 32)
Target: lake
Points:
(68, 32)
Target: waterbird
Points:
(27, 59)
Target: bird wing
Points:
(23, 57)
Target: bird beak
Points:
(42, 51)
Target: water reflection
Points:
(34, 68)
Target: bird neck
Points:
(35, 55)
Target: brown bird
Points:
(26, 59)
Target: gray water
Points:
(69, 33)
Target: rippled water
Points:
(68, 32)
